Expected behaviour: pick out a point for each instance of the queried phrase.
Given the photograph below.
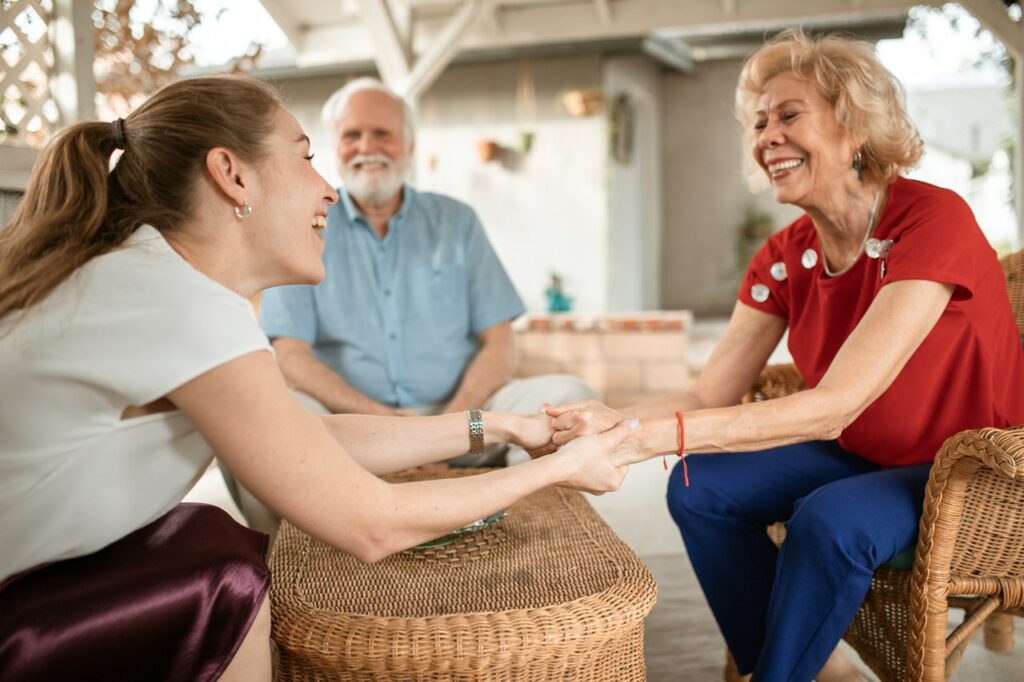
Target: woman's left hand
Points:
(533, 433)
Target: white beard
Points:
(374, 188)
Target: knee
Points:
(568, 388)
(685, 502)
(822, 527)
(677, 507)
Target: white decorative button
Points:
(759, 293)
(778, 271)
(877, 248)
(809, 259)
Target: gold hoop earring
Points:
(244, 211)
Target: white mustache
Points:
(369, 158)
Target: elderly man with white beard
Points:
(414, 313)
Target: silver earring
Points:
(858, 165)
(243, 212)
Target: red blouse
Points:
(967, 373)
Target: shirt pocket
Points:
(442, 293)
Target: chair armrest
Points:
(775, 381)
(971, 538)
(1001, 450)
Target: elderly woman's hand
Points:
(572, 420)
(600, 461)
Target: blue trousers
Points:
(783, 611)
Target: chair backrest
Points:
(1013, 268)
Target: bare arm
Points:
(286, 457)
(898, 320)
(490, 369)
(385, 444)
(304, 372)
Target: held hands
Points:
(600, 461)
(587, 417)
(595, 441)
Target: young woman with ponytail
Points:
(129, 353)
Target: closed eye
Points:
(309, 157)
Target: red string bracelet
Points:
(682, 446)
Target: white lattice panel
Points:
(29, 113)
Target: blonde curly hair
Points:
(868, 101)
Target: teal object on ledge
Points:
(558, 302)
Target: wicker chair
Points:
(970, 549)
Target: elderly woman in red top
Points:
(898, 320)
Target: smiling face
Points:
(373, 154)
(290, 211)
(799, 143)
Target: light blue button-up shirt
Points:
(398, 318)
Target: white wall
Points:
(544, 211)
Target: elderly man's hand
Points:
(406, 412)
(572, 420)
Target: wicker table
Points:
(549, 593)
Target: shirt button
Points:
(392, 336)
(387, 292)
(809, 259)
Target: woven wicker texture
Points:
(970, 550)
(547, 593)
(775, 381)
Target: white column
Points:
(72, 81)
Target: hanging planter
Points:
(582, 103)
(525, 141)
(487, 149)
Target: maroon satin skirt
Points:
(171, 601)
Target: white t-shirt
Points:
(125, 329)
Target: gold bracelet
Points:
(476, 432)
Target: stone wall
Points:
(627, 358)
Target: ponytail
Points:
(58, 225)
